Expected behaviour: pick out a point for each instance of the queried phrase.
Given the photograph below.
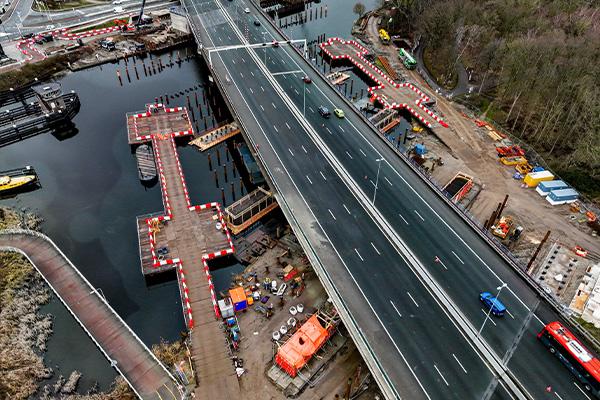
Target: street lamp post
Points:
(379, 160)
(499, 288)
(264, 46)
(304, 98)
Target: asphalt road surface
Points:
(420, 349)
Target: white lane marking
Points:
(363, 153)
(261, 107)
(438, 371)
(459, 363)
(439, 260)
(243, 60)
(422, 219)
(330, 241)
(233, 61)
(296, 92)
(242, 75)
(311, 110)
(321, 172)
(581, 390)
(558, 395)
(342, 129)
(388, 181)
(304, 149)
(412, 298)
(346, 208)
(372, 183)
(488, 316)
(288, 126)
(327, 129)
(332, 216)
(251, 73)
(509, 313)
(290, 150)
(375, 248)
(307, 90)
(359, 256)
(276, 130)
(309, 179)
(393, 305)
(274, 106)
(251, 91)
(403, 219)
(349, 155)
(456, 255)
(262, 88)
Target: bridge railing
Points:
(470, 219)
(93, 291)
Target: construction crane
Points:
(139, 20)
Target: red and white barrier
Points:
(186, 298)
(361, 65)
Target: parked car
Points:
(492, 303)
(116, 2)
(339, 112)
(256, 22)
(247, 10)
(324, 111)
(306, 79)
(118, 10)
(275, 43)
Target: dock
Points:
(390, 94)
(215, 136)
(156, 120)
(184, 238)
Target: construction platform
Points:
(215, 136)
(389, 93)
(245, 212)
(156, 120)
(186, 237)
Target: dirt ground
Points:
(472, 152)
(257, 347)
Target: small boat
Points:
(8, 183)
(145, 163)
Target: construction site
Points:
(269, 326)
(503, 185)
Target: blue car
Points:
(491, 302)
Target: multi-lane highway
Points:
(417, 317)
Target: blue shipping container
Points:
(545, 187)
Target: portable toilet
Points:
(238, 298)
(562, 196)
(532, 179)
(544, 188)
(226, 308)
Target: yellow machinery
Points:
(154, 227)
(416, 128)
(518, 160)
(502, 228)
(523, 169)
(384, 36)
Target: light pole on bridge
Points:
(379, 160)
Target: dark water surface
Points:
(91, 195)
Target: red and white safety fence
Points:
(180, 172)
(163, 181)
(185, 292)
(360, 54)
(65, 35)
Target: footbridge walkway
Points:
(148, 378)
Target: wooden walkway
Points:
(126, 352)
(184, 237)
(386, 91)
(215, 136)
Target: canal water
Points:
(91, 195)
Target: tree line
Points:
(538, 62)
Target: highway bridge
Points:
(402, 266)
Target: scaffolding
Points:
(249, 209)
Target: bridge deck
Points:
(387, 92)
(133, 360)
(192, 236)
